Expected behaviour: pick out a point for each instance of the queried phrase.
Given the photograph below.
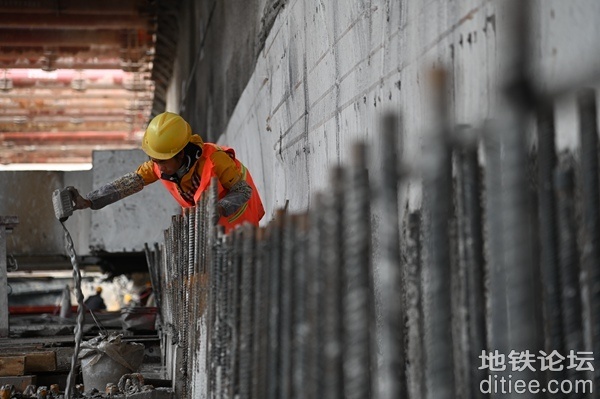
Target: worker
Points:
(95, 302)
(184, 164)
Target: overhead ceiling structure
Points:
(75, 76)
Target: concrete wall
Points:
(121, 227)
(141, 218)
(329, 70)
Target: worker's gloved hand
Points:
(78, 201)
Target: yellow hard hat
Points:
(166, 135)
(99, 289)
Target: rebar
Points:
(548, 234)
(437, 191)
(246, 310)
(568, 260)
(392, 374)
(591, 216)
(358, 307)
(299, 323)
(472, 258)
(334, 259)
(315, 357)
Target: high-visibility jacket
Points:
(252, 211)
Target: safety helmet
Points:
(166, 135)
(98, 290)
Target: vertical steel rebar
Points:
(273, 363)
(247, 307)
(548, 233)
(334, 259)
(261, 313)
(237, 265)
(568, 260)
(413, 287)
(285, 307)
(497, 306)
(392, 373)
(315, 357)
(437, 191)
(299, 301)
(591, 216)
(358, 302)
(471, 236)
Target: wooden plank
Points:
(12, 365)
(40, 361)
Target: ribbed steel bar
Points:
(568, 260)
(548, 234)
(334, 259)
(273, 362)
(247, 306)
(299, 317)
(261, 314)
(219, 322)
(358, 306)
(228, 317)
(523, 290)
(437, 191)
(591, 215)
(498, 312)
(413, 294)
(392, 376)
(472, 256)
(315, 276)
(524, 328)
(184, 261)
(237, 264)
(285, 307)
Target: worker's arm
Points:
(230, 177)
(112, 192)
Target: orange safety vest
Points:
(252, 211)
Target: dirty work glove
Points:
(78, 201)
(116, 190)
(237, 196)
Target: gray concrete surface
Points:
(329, 70)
